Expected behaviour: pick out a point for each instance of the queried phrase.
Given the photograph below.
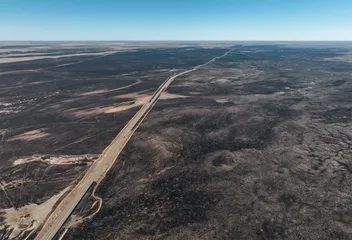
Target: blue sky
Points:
(175, 20)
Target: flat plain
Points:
(256, 145)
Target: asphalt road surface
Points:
(100, 167)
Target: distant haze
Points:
(175, 20)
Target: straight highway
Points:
(100, 167)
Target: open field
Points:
(255, 145)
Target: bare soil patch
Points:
(107, 90)
(166, 95)
(18, 222)
(30, 135)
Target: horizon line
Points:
(170, 40)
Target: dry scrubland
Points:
(256, 145)
(58, 114)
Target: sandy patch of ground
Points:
(222, 100)
(166, 95)
(139, 99)
(134, 95)
(30, 135)
(35, 83)
(107, 91)
(28, 217)
(93, 92)
(57, 160)
(21, 59)
(69, 100)
(221, 80)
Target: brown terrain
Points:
(256, 145)
(58, 114)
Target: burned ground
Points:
(55, 111)
(256, 146)
(83, 101)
